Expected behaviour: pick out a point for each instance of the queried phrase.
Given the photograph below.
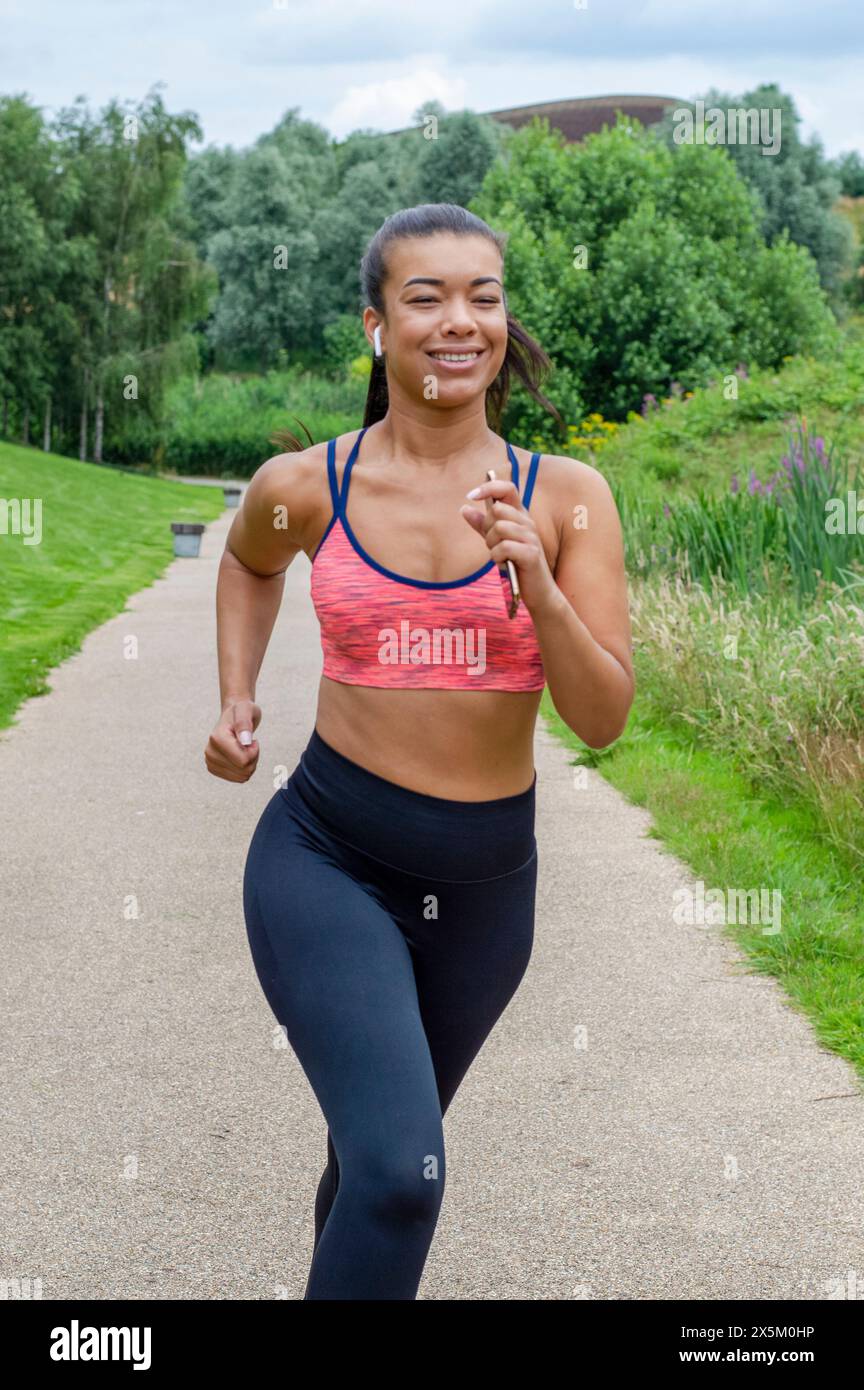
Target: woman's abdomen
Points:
(464, 745)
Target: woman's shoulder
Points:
(295, 483)
(563, 480)
(303, 470)
(567, 492)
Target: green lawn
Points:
(105, 535)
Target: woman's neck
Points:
(433, 439)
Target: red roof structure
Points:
(581, 116)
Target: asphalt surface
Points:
(647, 1120)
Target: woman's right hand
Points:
(228, 754)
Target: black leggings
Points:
(389, 930)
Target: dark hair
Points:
(524, 355)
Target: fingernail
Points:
(245, 736)
(475, 492)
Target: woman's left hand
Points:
(510, 534)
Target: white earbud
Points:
(377, 337)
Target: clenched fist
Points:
(232, 749)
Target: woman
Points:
(390, 884)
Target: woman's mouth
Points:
(457, 361)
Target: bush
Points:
(220, 425)
(678, 284)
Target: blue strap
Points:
(338, 498)
(529, 486)
(514, 464)
(346, 476)
(331, 474)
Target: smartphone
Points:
(508, 572)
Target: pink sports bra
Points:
(379, 628)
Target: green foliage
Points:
(322, 201)
(796, 187)
(776, 690)
(100, 280)
(344, 340)
(450, 157)
(220, 425)
(849, 169)
(700, 441)
(125, 265)
(677, 280)
(772, 534)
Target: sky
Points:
(239, 65)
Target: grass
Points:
(732, 837)
(105, 535)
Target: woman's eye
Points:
(430, 299)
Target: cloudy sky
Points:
(240, 64)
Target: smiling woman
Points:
(445, 221)
(390, 886)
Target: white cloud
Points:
(390, 104)
(241, 64)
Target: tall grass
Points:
(777, 691)
(757, 535)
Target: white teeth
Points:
(455, 356)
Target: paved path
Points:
(154, 1142)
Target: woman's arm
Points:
(260, 546)
(580, 614)
(584, 631)
(265, 536)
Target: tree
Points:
(36, 255)
(635, 266)
(321, 201)
(146, 281)
(849, 169)
(797, 187)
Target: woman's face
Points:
(444, 297)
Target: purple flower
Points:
(733, 486)
(741, 371)
(799, 463)
(787, 463)
(754, 485)
(667, 510)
